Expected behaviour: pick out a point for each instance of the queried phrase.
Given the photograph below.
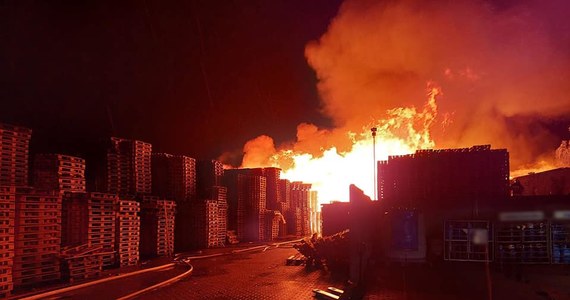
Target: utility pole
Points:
(374, 129)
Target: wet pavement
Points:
(264, 275)
(260, 275)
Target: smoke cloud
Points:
(495, 62)
(501, 65)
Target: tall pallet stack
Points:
(14, 153)
(284, 205)
(128, 167)
(157, 227)
(59, 172)
(174, 177)
(127, 238)
(251, 207)
(300, 198)
(273, 219)
(294, 222)
(7, 205)
(37, 237)
(273, 177)
(89, 218)
(209, 224)
(220, 194)
(209, 173)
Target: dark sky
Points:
(191, 77)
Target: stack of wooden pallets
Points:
(220, 195)
(294, 222)
(127, 231)
(128, 167)
(251, 207)
(37, 237)
(14, 153)
(209, 226)
(273, 219)
(89, 218)
(7, 205)
(157, 227)
(174, 177)
(59, 172)
(81, 262)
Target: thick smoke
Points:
(495, 64)
(501, 65)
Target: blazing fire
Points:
(403, 131)
(504, 68)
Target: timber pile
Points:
(127, 238)
(82, 262)
(7, 205)
(157, 227)
(57, 172)
(37, 237)
(330, 252)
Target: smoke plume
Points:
(501, 65)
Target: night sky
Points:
(191, 77)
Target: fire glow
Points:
(403, 131)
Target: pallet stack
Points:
(37, 237)
(209, 224)
(209, 173)
(89, 218)
(174, 177)
(294, 222)
(14, 153)
(220, 194)
(273, 219)
(127, 231)
(157, 227)
(7, 206)
(59, 172)
(81, 262)
(128, 167)
(251, 207)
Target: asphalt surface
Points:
(264, 275)
(257, 275)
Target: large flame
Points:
(404, 130)
(504, 66)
